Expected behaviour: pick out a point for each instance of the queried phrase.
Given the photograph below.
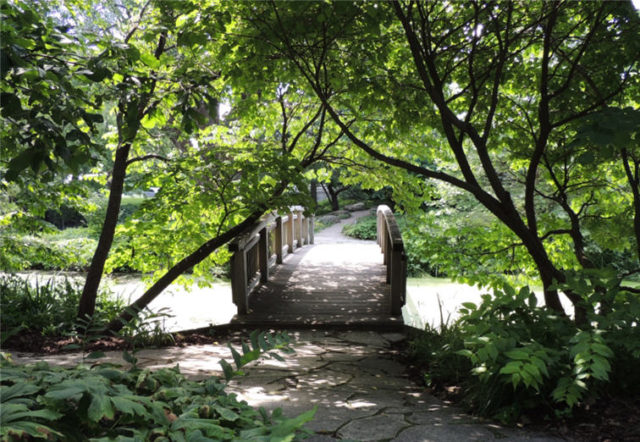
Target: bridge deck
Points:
(338, 281)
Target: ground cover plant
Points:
(104, 402)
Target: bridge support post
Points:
(279, 240)
(398, 282)
(390, 241)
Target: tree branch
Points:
(148, 157)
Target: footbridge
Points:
(285, 275)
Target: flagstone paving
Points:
(354, 379)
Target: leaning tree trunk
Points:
(191, 260)
(179, 268)
(89, 292)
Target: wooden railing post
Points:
(252, 252)
(263, 254)
(238, 281)
(305, 230)
(279, 240)
(290, 232)
(299, 227)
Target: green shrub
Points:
(48, 307)
(104, 402)
(364, 228)
(436, 351)
(419, 258)
(524, 357)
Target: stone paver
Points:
(360, 391)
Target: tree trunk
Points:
(632, 170)
(333, 197)
(189, 261)
(89, 292)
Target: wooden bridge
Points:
(285, 276)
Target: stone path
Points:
(353, 378)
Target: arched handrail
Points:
(265, 246)
(390, 240)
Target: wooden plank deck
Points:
(338, 282)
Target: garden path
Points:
(355, 379)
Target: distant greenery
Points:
(69, 249)
(363, 228)
(96, 217)
(513, 357)
(47, 252)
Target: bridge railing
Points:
(258, 251)
(390, 240)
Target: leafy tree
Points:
(482, 96)
(223, 187)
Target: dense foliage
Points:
(490, 101)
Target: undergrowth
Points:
(50, 306)
(512, 357)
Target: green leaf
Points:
(149, 60)
(465, 352)
(100, 407)
(68, 389)
(226, 413)
(517, 354)
(276, 356)
(19, 389)
(236, 356)
(511, 367)
(128, 406)
(227, 369)
(128, 357)
(253, 337)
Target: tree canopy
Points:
(494, 99)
